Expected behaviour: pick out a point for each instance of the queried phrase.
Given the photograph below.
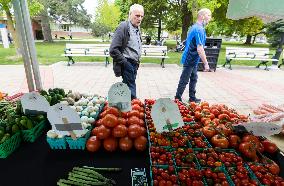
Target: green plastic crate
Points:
(32, 134)
(10, 145)
(80, 143)
(57, 143)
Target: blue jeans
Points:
(188, 73)
(129, 72)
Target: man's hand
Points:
(206, 67)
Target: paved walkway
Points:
(242, 88)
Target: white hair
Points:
(135, 7)
(203, 11)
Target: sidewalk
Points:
(242, 88)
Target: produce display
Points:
(208, 150)
(13, 120)
(123, 130)
(87, 106)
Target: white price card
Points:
(65, 120)
(119, 96)
(166, 115)
(33, 103)
(262, 128)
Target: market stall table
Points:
(35, 164)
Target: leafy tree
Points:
(124, 8)
(100, 29)
(244, 27)
(275, 34)
(69, 11)
(107, 14)
(6, 6)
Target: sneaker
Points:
(196, 100)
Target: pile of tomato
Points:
(209, 149)
(123, 130)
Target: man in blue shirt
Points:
(194, 51)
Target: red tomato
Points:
(224, 117)
(133, 120)
(274, 168)
(140, 143)
(125, 143)
(248, 149)
(119, 131)
(220, 141)
(93, 144)
(110, 144)
(95, 131)
(99, 122)
(269, 146)
(234, 141)
(134, 131)
(110, 120)
(209, 132)
(103, 132)
(121, 121)
(143, 131)
(141, 115)
(141, 122)
(136, 107)
(133, 113)
(136, 101)
(113, 110)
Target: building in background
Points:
(62, 29)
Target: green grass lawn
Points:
(49, 53)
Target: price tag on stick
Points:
(34, 104)
(166, 115)
(65, 121)
(262, 128)
(119, 96)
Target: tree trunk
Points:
(278, 50)
(11, 28)
(159, 29)
(254, 37)
(248, 40)
(46, 26)
(186, 19)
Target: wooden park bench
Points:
(153, 51)
(282, 61)
(102, 50)
(76, 50)
(255, 54)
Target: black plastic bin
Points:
(212, 49)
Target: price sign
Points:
(166, 115)
(65, 121)
(34, 104)
(119, 96)
(262, 128)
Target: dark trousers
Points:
(189, 74)
(129, 72)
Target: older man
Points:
(194, 50)
(126, 48)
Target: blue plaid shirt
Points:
(196, 36)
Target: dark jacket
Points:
(118, 44)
